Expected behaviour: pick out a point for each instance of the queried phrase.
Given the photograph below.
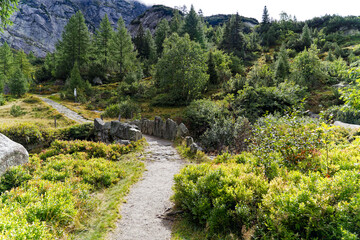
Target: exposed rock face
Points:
(38, 24)
(116, 131)
(150, 18)
(11, 154)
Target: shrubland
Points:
(300, 180)
(56, 193)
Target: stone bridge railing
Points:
(123, 133)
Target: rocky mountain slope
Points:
(152, 16)
(39, 23)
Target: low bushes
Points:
(300, 181)
(32, 136)
(51, 196)
(127, 109)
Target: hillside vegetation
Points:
(245, 90)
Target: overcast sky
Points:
(302, 9)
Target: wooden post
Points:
(55, 121)
(119, 117)
(101, 116)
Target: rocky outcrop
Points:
(116, 131)
(38, 24)
(150, 18)
(168, 129)
(11, 154)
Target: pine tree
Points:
(265, 29)
(139, 41)
(193, 26)
(123, 53)
(18, 84)
(103, 42)
(6, 59)
(74, 45)
(177, 22)
(22, 62)
(233, 39)
(306, 37)
(213, 78)
(282, 67)
(151, 54)
(162, 32)
(75, 80)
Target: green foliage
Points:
(234, 40)
(32, 136)
(193, 26)
(227, 134)
(338, 113)
(18, 83)
(337, 70)
(200, 114)
(126, 109)
(22, 62)
(162, 32)
(74, 46)
(256, 102)
(2, 99)
(76, 82)
(7, 7)
(52, 197)
(282, 66)
(181, 71)
(6, 60)
(123, 52)
(222, 198)
(218, 66)
(16, 111)
(306, 68)
(261, 75)
(306, 37)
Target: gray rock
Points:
(189, 141)
(123, 142)
(97, 81)
(38, 24)
(134, 134)
(170, 129)
(182, 131)
(158, 127)
(11, 154)
(98, 124)
(194, 148)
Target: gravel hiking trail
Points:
(64, 110)
(149, 199)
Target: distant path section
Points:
(64, 110)
(149, 200)
(347, 125)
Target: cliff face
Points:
(38, 24)
(150, 18)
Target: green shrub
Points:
(126, 109)
(16, 111)
(227, 134)
(311, 207)
(13, 178)
(222, 198)
(200, 114)
(2, 100)
(337, 113)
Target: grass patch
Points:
(34, 111)
(108, 202)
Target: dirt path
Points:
(149, 198)
(64, 110)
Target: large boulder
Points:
(11, 154)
